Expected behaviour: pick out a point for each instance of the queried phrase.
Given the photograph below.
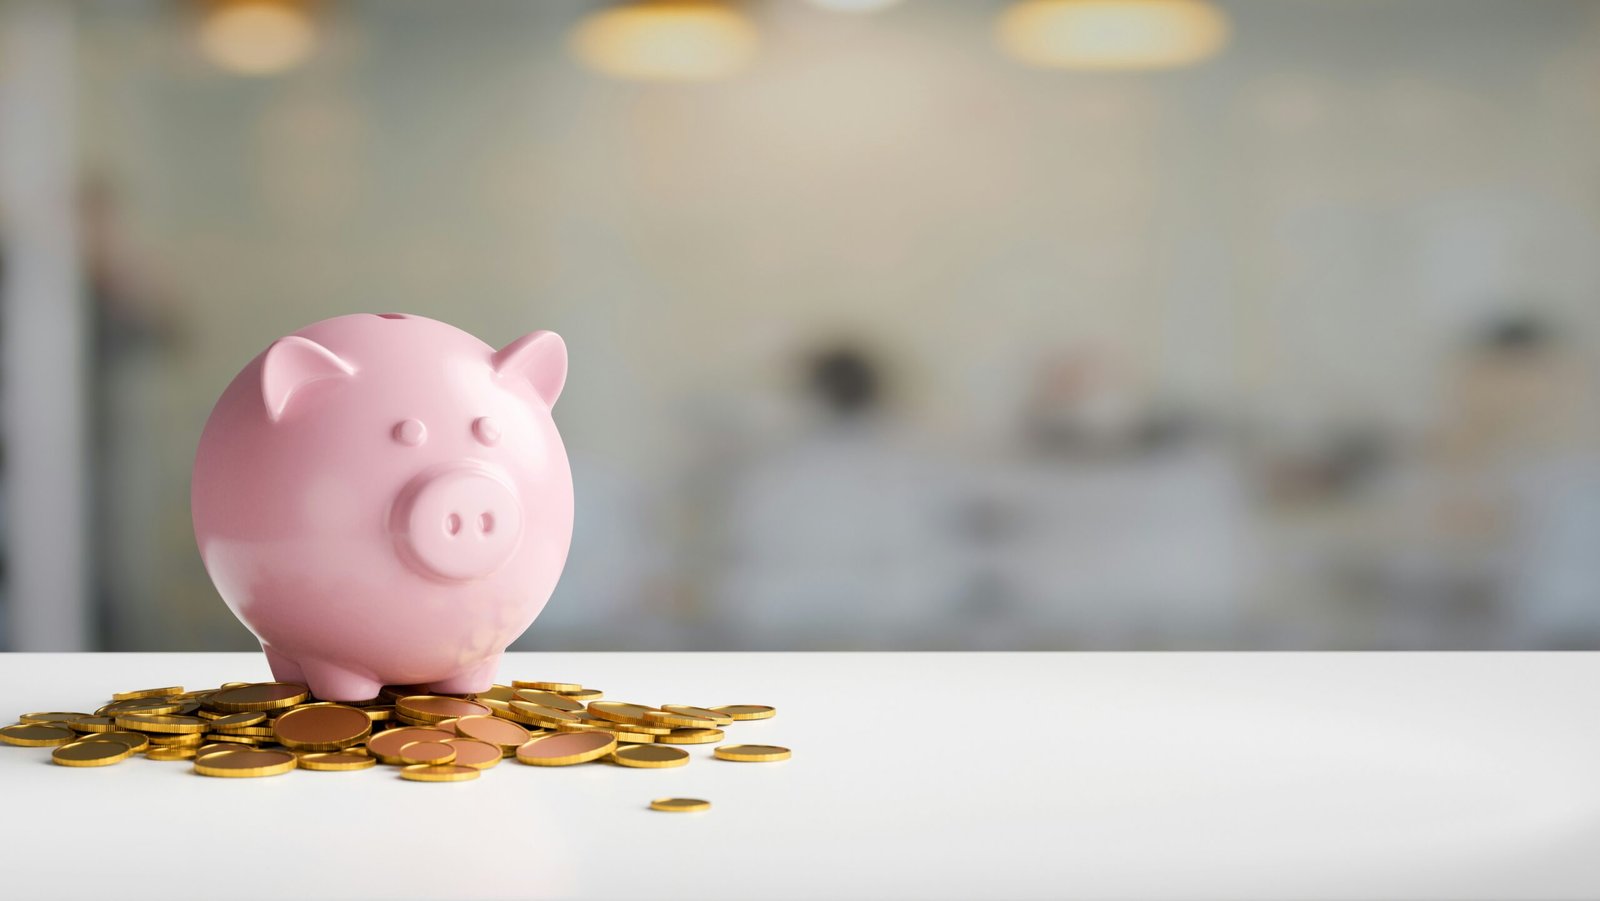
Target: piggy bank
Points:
(384, 499)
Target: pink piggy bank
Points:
(384, 499)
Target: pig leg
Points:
(336, 683)
(478, 678)
(283, 669)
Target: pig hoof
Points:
(283, 669)
(477, 679)
(332, 683)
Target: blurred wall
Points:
(1289, 245)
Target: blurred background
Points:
(1026, 324)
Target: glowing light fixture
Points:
(256, 37)
(666, 40)
(1112, 34)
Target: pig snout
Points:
(457, 524)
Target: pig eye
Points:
(486, 430)
(410, 432)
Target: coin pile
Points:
(244, 729)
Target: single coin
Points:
(322, 728)
(391, 693)
(618, 712)
(585, 694)
(147, 693)
(721, 719)
(422, 772)
(144, 705)
(626, 736)
(651, 756)
(236, 720)
(586, 727)
(503, 734)
(232, 685)
(91, 752)
(548, 699)
(547, 686)
(645, 728)
(379, 713)
(197, 695)
(436, 753)
(433, 708)
(501, 709)
(679, 720)
(747, 711)
(336, 760)
(477, 754)
(751, 753)
(178, 740)
(37, 735)
(566, 748)
(134, 740)
(169, 752)
(248, 740)
(386, 745)
(680, 805)
(147, 722)
(540, 715)
(259, 696)
(88, 723)
(260, 730)
(691, 737)
(496, 693)
(245, 763)
(52, 716)
(214, 747)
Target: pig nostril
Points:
(486, 523)
(452, 524)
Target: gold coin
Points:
(336, 760)
(503, 734)
(539, 715)
(436, 753)
(379, 713)
(678, 720)
(214, 747)
(147, 693)
(144, 705)
(547, 699)
(680, 805)
(585, 727)
(134, 740)
(747, 711)
(547, 686)
(720, 719)
(52, 716)
(245, 763)
(37, 735)
(422, 772)
(618, 712)
(259, 696)
(198, 695)
(476, 754)
(232, 685)
(691, 737)
(652, 756)
(566, 748)
(751, 753)
(386, 745)
(322, 728)
(169, 752)
(643, 728)
(501, 709)
(180, 740)
(635, 738)
(91, 752)
(88, 723)
(263, 730)
(433, 708)
(496, 693)
(250, 740)
(235, 720)
(147, 722)
(585, 694)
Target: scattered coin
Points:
(540, 715)
(503, 734)
(618, 712)
(37, 735)
(566, 748)
(432, 752)
(433, 708)
(146, 705)
(336, 760)
(476, 754)
(720, 719)
(154, 722)
(691, 737)
(650, 756)
(322, 728)
(680, 805)
(181, 740)
(169, 752)
(379, 713)
(90, 723)
(585, 694)
(548, 699)
(235, 720)
(91, 752)
(51, 716)
(259, 696)
(133, 740)
(245, 763)
(422, 772)
(677, 719)
(386, 745)
(146, 693)
(496, 693)
(547, 686)
(751, 753)
(747, 711)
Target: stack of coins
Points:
(247, 729)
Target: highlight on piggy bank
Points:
(385, 499)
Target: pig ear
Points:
(539, 357)
(292, 363)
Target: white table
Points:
(914, 776)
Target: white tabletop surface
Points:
(914, 776)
